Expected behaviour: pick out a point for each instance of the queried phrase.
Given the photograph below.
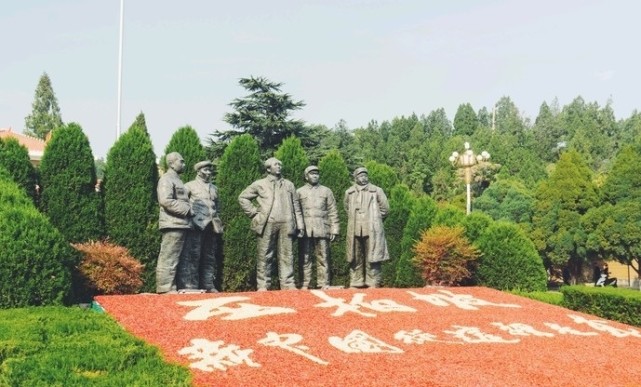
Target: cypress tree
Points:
(14, 157)
(68, 176)
(335, 176)
(382, 175)
(186, 142)
(131, 203)
(401, 202)
(294, 159)
(421, 218)
(239, 166)
(45, 112)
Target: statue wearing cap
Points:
(197, 270)
(276, 218)
(173, 222)
(321, 227)
(366, 206)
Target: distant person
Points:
(596, 274)
(366, 206)
(174, 221)
(320, 216)
(605, 273)
(276, 218)
(198, 269)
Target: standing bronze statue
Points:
(321, 227)
(276, 219)
(366, 206)
(174, 223)
(197, 269)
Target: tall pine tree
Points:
(45, 114)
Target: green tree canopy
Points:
(186, 142)
(68, 177)
(131, 203)
(294, 159)
(465, 121)
(45, 112)
(263, 114)
(15, 159)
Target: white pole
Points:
(469, 199)
(122, 23)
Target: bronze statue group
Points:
(191, 228)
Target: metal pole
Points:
(469, 200)
(122, 23)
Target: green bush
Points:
(72, 347)
(131, 204)
(186, 142)
(400, 202)
(68, 177)
(622, 305)
(36, 262)
(239, 166)
(420, 219)
(553, 298)
(15, 158)
(509, 260)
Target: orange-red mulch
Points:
(381, 337)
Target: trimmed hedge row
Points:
(623, 305)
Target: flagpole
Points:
(122, 23)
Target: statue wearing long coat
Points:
(375, 201)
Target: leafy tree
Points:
(68, 179)
(401, 202)
(239, 166)
(614, 231)
(186, 142)
(449, 215)
(335, 176)
(475, 225)
(421, 218)
(444, 256)
(341, 138)
(509, 260)
(15, 159)
(509, 120)
(131, 202)
(294, 159)
(624, 180)
(382, 175)
(465, 121)
(548, 132)
(264, 114)
(437, 123)
(561, 201)
(45, 113)
(507, 199)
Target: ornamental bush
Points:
(509, 259)
(186, 142)
(107, 268)
(68, 180)
(15, 158)
(36, 262)
(444, 256)
(131, 204)
(400, 203)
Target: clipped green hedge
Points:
(58, 346)
(622, 305)
(36, 262)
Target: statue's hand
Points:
(301, 233)
(332, 237)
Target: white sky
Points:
(355, 60)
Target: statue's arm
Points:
(383, 204)
(245, 200)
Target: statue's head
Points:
(312, 175)
(360, 176)
(204, 170)
(175, 161)
(273, 166)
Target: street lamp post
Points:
(467, 160)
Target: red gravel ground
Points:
(381, 337)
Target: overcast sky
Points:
(355, 60)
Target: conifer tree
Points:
(45, 114)
(294, 159)
(335, 176)
(421, 218)
(239, 166)
(68, 178)
(400, 202)
(186, 142)
(382, 175)
(15, 159)
(131, 203)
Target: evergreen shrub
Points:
(15, 158)
(509, 260)
(107, 268)
(36, 262)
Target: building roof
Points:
(34, 145)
